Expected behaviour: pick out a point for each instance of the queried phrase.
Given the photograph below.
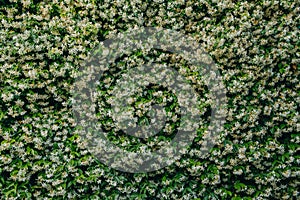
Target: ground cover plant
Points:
(255, 45)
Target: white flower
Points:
(189, 11)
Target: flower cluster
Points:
(255, 45)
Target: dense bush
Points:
(255, 45)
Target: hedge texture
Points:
(255, 45)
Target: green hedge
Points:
(255, 45)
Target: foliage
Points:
(256, 47)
